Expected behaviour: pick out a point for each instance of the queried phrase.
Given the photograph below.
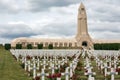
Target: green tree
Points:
(29, 46)
(18, 46)
(7, 46)
(40, 46)
(1, 46)
(107, 46)
(50, 46)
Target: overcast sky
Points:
(57, 18)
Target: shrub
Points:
(107, 46)
(1, 46)
(29, 46)
(37, 78)
(40, 46)
(7, 46)
(18, 46)
(50, 46)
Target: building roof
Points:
(106, 40)
(45, 39)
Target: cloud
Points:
(4, 40)
(57, 24)
(53, 18)
(105, 10)
(9, 6)
(103, 26)
(38, 5)
(15, 6)
(11, 31)
(59, 29)
(105, 35)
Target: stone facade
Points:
(82, 36)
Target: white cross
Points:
(90, 73)
(44, 64)
(25, 62)
(112, 73)
(66, 73)
(105, 68)
(38, 63)
(53, 68)
(71, 70)
(34, 70)
(115, 64)
(29, 66)
(42, 74)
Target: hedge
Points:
(7, 46)
(107, 46)
(40, 46)
(18, 46)
(50, 46)
(29, 46)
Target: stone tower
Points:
(82, 36)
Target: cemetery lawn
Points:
(10, 69)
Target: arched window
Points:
(84, 43)
(70, 44)
(46, 44)
(61, 45)
(75, 44)
(82, 9)
(65, 44)
(56, 44)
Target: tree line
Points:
(29, 46)
(102, 46)
(107, 46)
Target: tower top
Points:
(81, 6)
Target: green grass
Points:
(10, 69)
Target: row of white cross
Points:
(41, 53)
(35, 64)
